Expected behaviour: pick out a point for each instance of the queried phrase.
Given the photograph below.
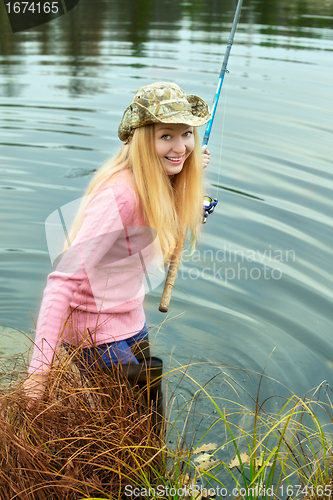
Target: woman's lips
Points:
(175, 160)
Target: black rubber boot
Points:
(147, 376)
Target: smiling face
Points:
(174, 142)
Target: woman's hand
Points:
(34, 387)
(205, 156)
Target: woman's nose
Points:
(179, 145)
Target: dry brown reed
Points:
(88, 437)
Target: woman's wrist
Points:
(34, 385)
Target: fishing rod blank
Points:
(222, 73)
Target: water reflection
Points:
(81, 38)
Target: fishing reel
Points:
(208, 207)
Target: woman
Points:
(136, 208)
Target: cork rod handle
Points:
(171, 277)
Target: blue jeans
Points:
(109, 354)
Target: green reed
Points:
(281, 454)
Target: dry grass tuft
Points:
(88, 437)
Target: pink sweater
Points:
(95, 294)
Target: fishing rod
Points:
(209, 203)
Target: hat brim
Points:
(195, 113)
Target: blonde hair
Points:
(170, 206)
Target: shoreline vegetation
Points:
(96, 437)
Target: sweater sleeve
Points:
(106, 216)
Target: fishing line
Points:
(222, 137)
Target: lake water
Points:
(258, 290)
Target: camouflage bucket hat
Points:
(162, 103)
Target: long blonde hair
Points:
(170, 206)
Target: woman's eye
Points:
(188, 133)
(165, 137)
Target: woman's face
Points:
(174, 142)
